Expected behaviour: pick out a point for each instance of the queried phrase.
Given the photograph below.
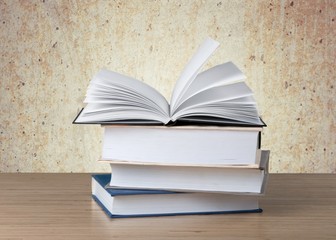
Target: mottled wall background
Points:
(51, 49)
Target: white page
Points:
(98, 94)
(184, 179)
(242, 100)
(247, 114)
(218, 94)
(218, 114)
(126, 97)
(184, 203)
(180, 145)
(191, 70)
(103, 106)
(109, 78)
(219, 75)
(120, 113)
(246, 111)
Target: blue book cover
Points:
(122, 203)
(104, 180)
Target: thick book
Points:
(184, 145)
(220, 179)
(121, 203)
(218, 95)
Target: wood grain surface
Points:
(59, 206)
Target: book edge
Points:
(111, 215)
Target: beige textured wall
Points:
(51, 49)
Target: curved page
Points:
(118, 97)
(219, 75)
(191, 70)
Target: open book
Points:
(217, 95)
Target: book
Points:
(119, 203)
(184, 145)
(218, 95)
(224, 179)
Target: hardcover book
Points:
(121, 203)
(184, 145)
(220, 179)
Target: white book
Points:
(218, 94)
(185, 145)
(229, 179)
(139, 203)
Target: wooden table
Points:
(59, 206)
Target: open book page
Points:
(219, 75)
(220, 115)
(119, 96)
(113, 96)
(216, 95)
(233, 101)
(118, 112)
(191, 70)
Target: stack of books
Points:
(200, 154)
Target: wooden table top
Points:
(59, 206)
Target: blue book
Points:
(119, 203)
